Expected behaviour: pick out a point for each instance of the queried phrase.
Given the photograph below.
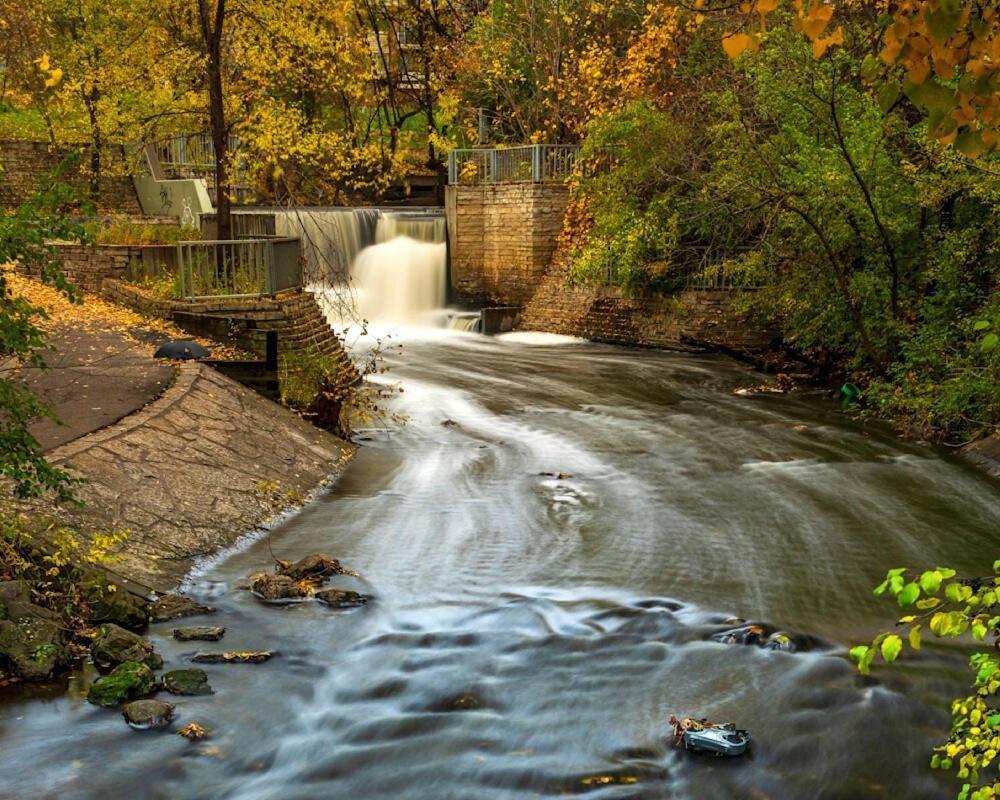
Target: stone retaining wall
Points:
(193, 471)
(501, 238)
(87, 266)
(295, 315)
(602, 314)
(24, 164)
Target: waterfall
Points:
(384, 266)
(330, 238)
(416, 225)
(401, 280)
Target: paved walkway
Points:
(93, 379)
(202, 465)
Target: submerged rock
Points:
(204, 633)
(175, 606)
(251, 657)
(148, 714)
(115, 645)
(125, 682)
(779, 640)
(341, 598)
(31, 637)
(190, 681)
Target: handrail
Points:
(532, 163)
(237, 268)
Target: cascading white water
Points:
(401, 280)
(422, 227)
(387, 267)
(330, 238)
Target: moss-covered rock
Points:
(31, 637)
(119, 607)
(114, 645)
(125, 682)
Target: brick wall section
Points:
(694, 318)
(25, 163)
(502, 238)
(86, 267)
(295, 315)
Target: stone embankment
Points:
(193, 471)
(698, 319)
(23, 163)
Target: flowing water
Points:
(552, 540)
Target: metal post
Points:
(536, 163)
(493, 166)
(453, 167)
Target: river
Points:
(551, 540)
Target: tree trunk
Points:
(90, 99)
(212, 33)
(220, 141)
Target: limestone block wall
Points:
(295, 315)
(502, 238)
(695, 318)
(86, 267)
(25, 163)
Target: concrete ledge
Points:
(189, 474)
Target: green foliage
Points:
(26, 236)
(871, 247)
(950, 608)
(635, 220)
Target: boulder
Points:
(125, 682)
(31, 637)
(277, 588)
(176, 606)
(190, 681)
(341, 598)
(148, 714)
(115, 645)
(120, 607)
(314, 567)
(14, 591)
(204, 633)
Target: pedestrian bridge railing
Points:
(533, 163)
(237, 268)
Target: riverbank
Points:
(192, 472)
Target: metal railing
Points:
(191, 154)
(237, 268)
(533, 163)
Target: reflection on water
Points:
(549, 568)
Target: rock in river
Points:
(126, 682)
(341, 598)
(314, 567)
(277, 588)
(31, 637)
(115, 645)
(148, 714)
(175, 606)
(203, 633)
(191, 681)
(120, 607)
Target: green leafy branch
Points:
(949, 609)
